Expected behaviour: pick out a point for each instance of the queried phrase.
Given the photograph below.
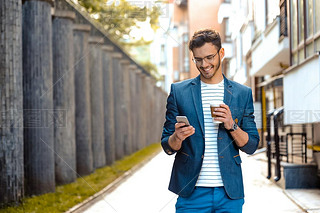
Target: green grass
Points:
(67, 196)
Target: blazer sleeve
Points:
(169, 125)
(249, 126)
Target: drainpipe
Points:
(276, 120)
(268, 139)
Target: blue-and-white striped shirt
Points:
(210, 175)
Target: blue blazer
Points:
(185, 99)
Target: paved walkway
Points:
(146, 191)
(262, 195)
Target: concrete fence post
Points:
(148, 107)
(138, 109)
(134, 107)
(118, 104)
(97, 103)
(143, 111)
(157, 114)
(161, 113)
(82, 99)
(63, 96)
(38, 97)
(11, 121)
(153, 111)
(161, 110)
(126, 109)
(108, 97)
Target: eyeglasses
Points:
(208, 58)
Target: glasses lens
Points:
(208, 59)
(196, 61)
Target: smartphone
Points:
(183, 119)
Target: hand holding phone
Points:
(180, 133)
(183, 119)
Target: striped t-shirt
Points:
(210, 175)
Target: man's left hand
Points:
(223, 114)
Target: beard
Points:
(215, 67)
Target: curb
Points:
(295, 201)
(284, 191)
(109, 188)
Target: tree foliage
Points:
(151, 68)
(119, 17)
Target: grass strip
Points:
(67, 196)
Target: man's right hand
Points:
(179, 135)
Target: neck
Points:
(217, 78)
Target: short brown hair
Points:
(201, 37)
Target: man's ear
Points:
(221, 52)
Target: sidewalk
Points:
(146, 191)
(263, 195)
(308, 200)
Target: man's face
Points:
(208, 60)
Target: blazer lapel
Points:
(227, 91)
(197, 101)
(222, 134)
(227, 97)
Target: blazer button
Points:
(202, 156)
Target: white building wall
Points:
(269, 52)
(247, 37)
(259, 15)
(302, 94)
(228, 50)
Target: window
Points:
(305, 29)
(309, 28)
(162, 56)
(176, 76)
(239, 54)
(283, 18)
(227, 29)
(186, 64)
(317, 15)
(317, 24)
(301, 21)
(294, 25)
(309, 18)
(273, 10)
(259, 15)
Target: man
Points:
(206, 173)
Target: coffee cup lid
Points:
(216, 104)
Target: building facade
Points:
(188, 17)
(275, 51)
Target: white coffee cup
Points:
(214, 105)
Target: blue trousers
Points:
(209, 200)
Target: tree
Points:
(119, 17)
